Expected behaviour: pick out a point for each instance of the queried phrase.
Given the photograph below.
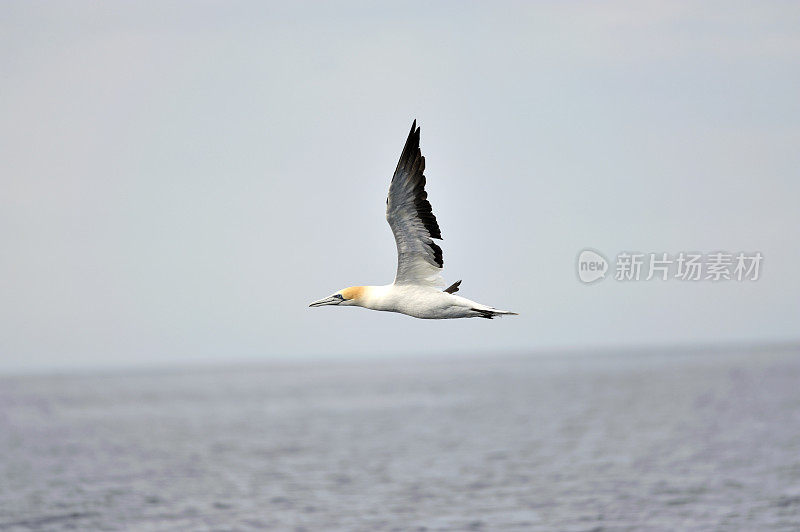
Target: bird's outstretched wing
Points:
(419, 259)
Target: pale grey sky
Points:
(181, 179)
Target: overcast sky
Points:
(180, 179)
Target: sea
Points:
(593, 440)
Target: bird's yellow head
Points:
(348, 296)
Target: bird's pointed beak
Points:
(326, 301)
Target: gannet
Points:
(415, 289)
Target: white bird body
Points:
(419, 259)
(420, 301)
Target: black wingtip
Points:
(415, 129)
(453, 288)
(411, 149)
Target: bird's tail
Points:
(489, 313)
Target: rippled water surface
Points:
(601, 441)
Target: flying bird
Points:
(419, 259)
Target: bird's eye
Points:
(340, 296)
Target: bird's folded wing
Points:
(419, 259)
